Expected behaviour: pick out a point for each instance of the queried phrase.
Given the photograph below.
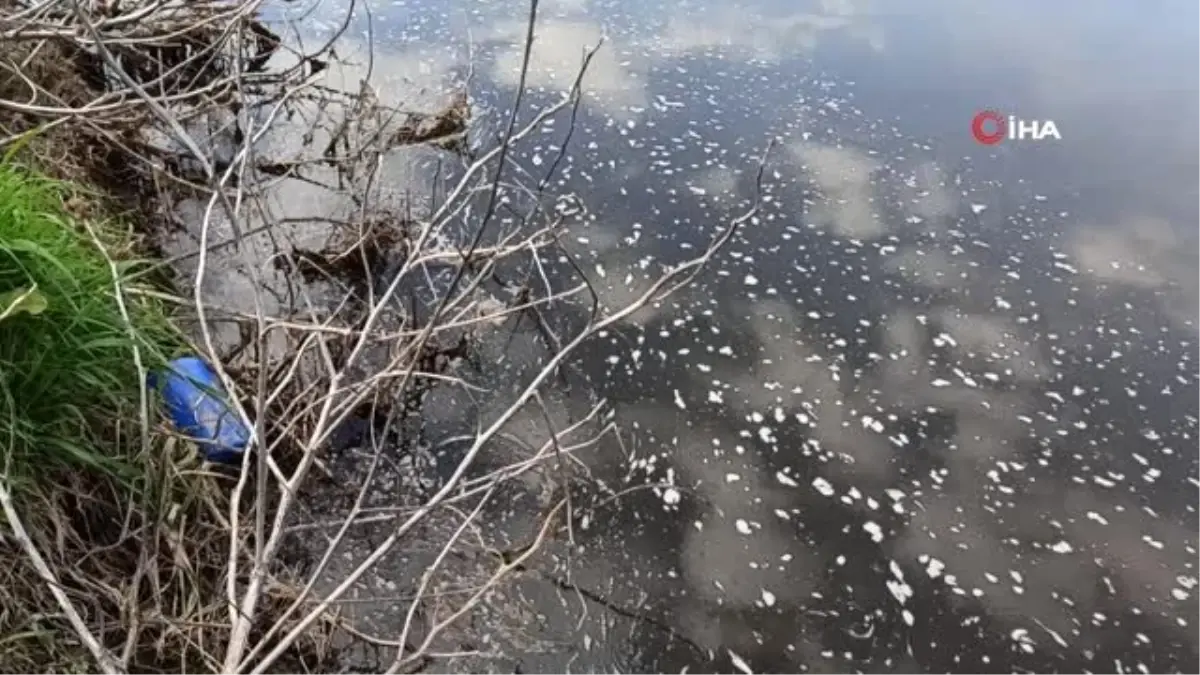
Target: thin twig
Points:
(104, 659)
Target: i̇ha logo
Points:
(990, 127)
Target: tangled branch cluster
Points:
(363, 328)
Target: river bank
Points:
(116, 536)
(355, 324)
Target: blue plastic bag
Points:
(199, 407)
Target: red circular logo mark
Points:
(989, 127)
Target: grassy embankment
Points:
(115, 541)
(81, 464)
(69, 346)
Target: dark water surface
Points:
(935, 407)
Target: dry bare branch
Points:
(344, 336)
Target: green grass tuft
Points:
(67, 368)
